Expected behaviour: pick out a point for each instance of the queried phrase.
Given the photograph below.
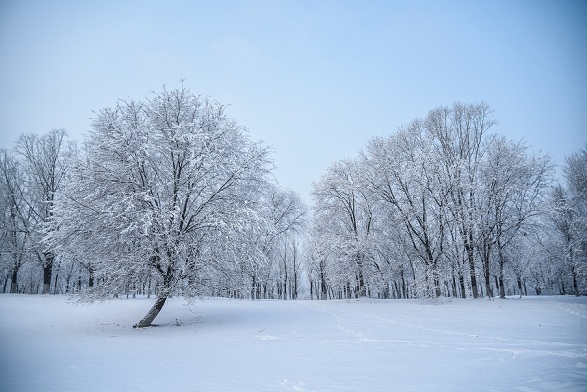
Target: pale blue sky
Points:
(313, 79)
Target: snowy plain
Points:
(527, 344)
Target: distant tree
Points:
(459, 135)
(15, 220)
(45, 160)
(166, 192)
(575, 171)
(404, 175)
(286, 214)
(512, 195)
(568, 217)
(285, 217)
(344, 219)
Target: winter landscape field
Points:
(528, 344)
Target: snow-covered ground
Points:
(529, 344)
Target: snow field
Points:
(529, 344)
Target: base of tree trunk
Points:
(153, 312)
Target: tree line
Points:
(444, 207)
(169, 196)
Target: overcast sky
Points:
(313, 79)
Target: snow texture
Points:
(528, 344)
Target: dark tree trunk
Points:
(55, 282)
(436, 280)
(487, 277)
(47, 271)
(155, 309)
(14, 282)
(253, 286)
(91, 278)
(462, 286)
(362, 292)
(520, 286)
(575, 286)
(454, 286)
(501, 278)
(323, 286)
(471, 259)
(501, 287)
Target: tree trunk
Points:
(323, 285)
(14, 282)
(454, 286)
(471, 259)
(501, 277)
(575, 286)
(487, 277)
(436, 281)
(520, 286)
(56, 281)
(91, 277)
(47, 271)
(501, 287)
(253, 286)
(462, 286)
(155, 309)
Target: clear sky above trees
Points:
(315, 80)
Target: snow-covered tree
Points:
(404, 175)
(166, 191)
(343, 214)
(512, 194)
(576, 178)
(285, 215)
(15, 220)
(568, 219)
(45, 160)
(458, 135)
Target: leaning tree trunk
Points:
(155, 309)
(159, 302)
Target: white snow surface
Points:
(528, 344)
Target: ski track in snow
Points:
(341, 325)
(571, 311)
